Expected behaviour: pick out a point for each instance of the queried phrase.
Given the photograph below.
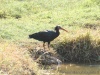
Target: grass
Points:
(16, 60)
(26, 17)
(80, 49)
(19, 18)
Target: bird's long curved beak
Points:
(64, 29)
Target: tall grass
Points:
(80, 49)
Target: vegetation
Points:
(28, 16)
(15, 60)
(19, 18)
(81, 49)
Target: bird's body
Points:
(46, 36)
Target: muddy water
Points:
(74, 69)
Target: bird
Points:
(47, 35)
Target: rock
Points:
(46, 58)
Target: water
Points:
(74, 69)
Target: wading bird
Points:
(47, 36)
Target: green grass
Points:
(27, 17)
(19, 18)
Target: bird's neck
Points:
(57, 31)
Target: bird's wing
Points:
(41, 36)
(50, 34)
(47, 35)
(44, 36)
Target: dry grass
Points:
(16, 60)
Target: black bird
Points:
(47, 36)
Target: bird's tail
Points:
(33, 35)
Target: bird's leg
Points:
(49, 45)
(44, 45)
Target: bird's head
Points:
(58, 27)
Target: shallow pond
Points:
(74, 69)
